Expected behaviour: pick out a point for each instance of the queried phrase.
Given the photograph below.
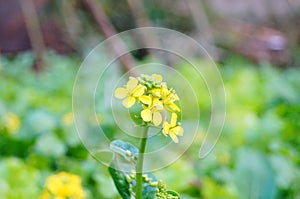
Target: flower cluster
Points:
(156, 99)
(62, 186)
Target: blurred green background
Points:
(255, 44)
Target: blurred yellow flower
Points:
(45, 195)
(130, 92)
(173, 129)
(224, 158)
(67, 119)
(154, 78)
(157, 77)
(12, 123)
(63, 186)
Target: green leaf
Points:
(126, 150)
(173, 193)
(125, 155)
(120, 181)
(135, 115)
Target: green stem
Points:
(139, 165)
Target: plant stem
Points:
(139, 166)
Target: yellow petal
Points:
(157, 77)
(146, 115)
(145, 99)
(175, 96)
(158, 108)
(163, 93)
(138, 91)
(173, 119)
(132, 83)
(121, 93)
(128, 102)
(174, 107)
(178, 130)
(166, 127)
(174, 137)
(157, 118)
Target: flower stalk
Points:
(155, 100)
(140, 164)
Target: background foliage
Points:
(257, 155)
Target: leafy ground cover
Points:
(257, 156)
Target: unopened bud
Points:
(128, 153)
(154, 184)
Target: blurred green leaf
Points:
(40, 121)
(253, 176)
(49, 145)
(17, 180)
(285, 171)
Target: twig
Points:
(203, 26)
(142, 20)
(108, 30)
(34, 32)
(71, 21)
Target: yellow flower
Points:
(130, 92)
(168, 99)
(172, 129)
(62, 186)
(45, 195)
(151, 113)
(12, 123)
